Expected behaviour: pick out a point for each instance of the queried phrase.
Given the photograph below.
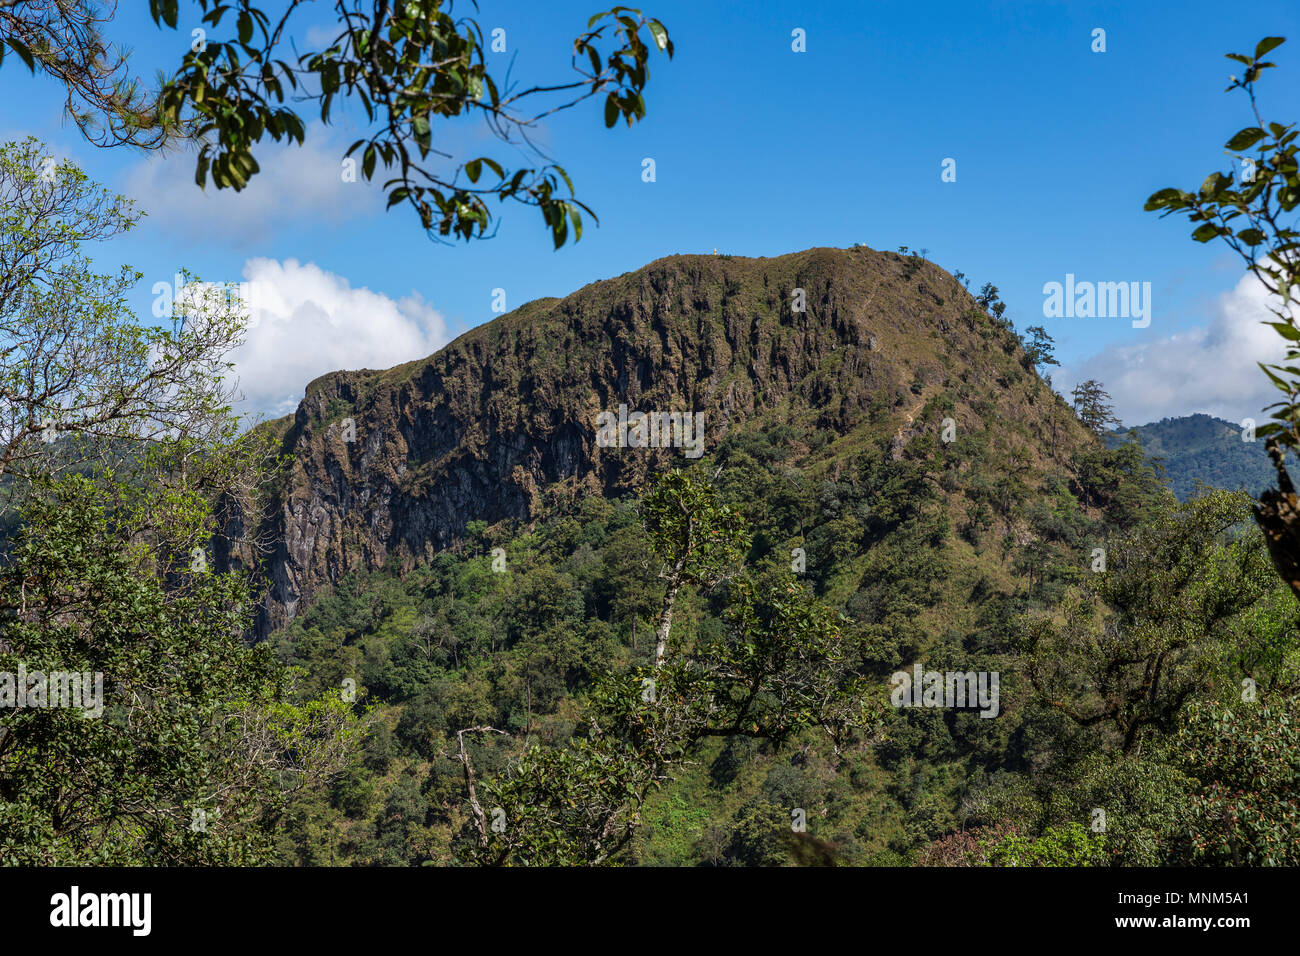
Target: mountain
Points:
(456, 538)
(886, 348)
(1200, 448)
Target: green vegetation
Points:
(181, 743)
(545, 663)
(411, 68)
(658, 666)
(1195, 450)
(198, 743)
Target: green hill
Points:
(473, 555)
(1201, 448)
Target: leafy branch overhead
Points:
(408, 68)
(1252, 211)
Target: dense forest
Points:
(456, 644)
(1200, 449)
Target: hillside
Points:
(474, 556)
(887, 348)
(1200, 448)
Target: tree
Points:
(698, 540)
(1040, 349)
(116, 440)
(1151, 630)
(1245, 757)
(1251, 209)
(410, 67)
(197, 742)
(75, 364)
(65, 41)
(1067, 845)
(988, 301)
(778, 666)
(1092, 404)
(87, 388)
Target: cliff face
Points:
(391, 465)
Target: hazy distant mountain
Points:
(1203, 448)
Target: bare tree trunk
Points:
(480, 818)
(666, 618)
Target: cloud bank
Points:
(306, 321)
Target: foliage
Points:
(1199, 450)
(1155, 624)
(1246, 757)
(776, 667)
(82, 380)
(1092, 404)
(1068, 845)
(198, 743)
(1252, 211)
(1249, 209)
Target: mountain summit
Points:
(848, 346)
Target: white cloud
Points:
(1209, 369)
(296, 185)
(306, 321)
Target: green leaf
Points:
(1266, 44)
(1162, 198)
(565, 176)
(473, 168)
(577, 221)
(21, 49)
(611, 110)
(1245, 138)
(659, 33)
(1276, 381)
(164, 11)
(420, 124)
(1213, 183)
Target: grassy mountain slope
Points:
(827, 428)
(887, 347)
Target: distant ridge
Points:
(1202, 448)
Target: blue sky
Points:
(761, 151)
